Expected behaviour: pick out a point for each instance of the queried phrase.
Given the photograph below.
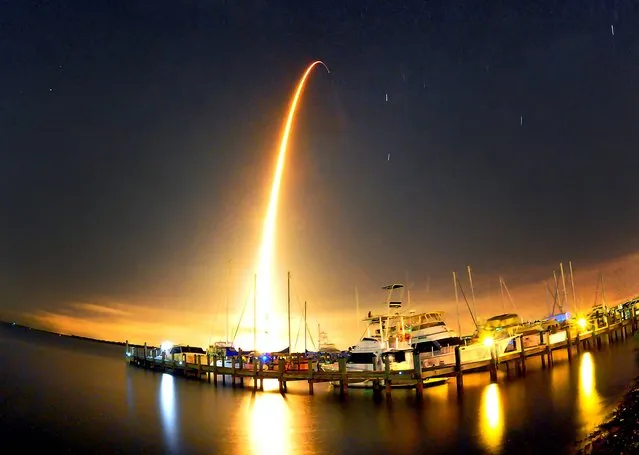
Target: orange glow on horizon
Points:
(264, 291)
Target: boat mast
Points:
(305, 327)
(255, 313)
(557, 299)
(501, 289)
(603, 291)
(288, 302)
(563, 280)
(457, 303)
(472, 290)
(572, 283)
(228, 286)
(356, 310)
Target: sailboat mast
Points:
(228, 286)
(563, 280)
(356, 310)
(472, 290)
(557, 299)
(288, 305)
(572, 283)
(457, 303)
(501, 289)
(305, 327)
(255, 313)
(603, 291)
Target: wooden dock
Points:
(297, 368)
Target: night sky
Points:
(138, 139)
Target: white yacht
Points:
(386, 337)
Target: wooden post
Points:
(310, 376)
(215, 370)
(145, 355)
(240, 360)
(281, 365)
(493, 365)
(199, 366)
(261, 378)
(578, 343)
(568, 345)
(387, 379)
(254, 374)
(233, 373)
(522, 357)
(343, 382)
(419, 385)
(459, 374)
(208, 364)
(542, 342)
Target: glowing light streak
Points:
(590, 405)
(266, 254)
(491, 419)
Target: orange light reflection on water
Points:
(269, 425)
(590, 406)
(491, 418)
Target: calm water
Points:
(80, 396)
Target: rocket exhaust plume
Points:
(264, 283)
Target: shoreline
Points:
(15, 325)
(619, 433)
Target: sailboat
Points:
(481, 346)
(224, 350)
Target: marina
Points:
(619, 324)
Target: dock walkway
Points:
(297, 368)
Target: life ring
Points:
(407, 337)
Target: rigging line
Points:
(299, 301)
(512, 302)
(299, 327)
(467, 304)
(240, 320)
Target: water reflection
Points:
(589, 400)
(269, 424)
(169, 415)
(491, 418)
(129, 394)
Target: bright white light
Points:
(488, 342)
(166, 346)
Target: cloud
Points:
(186, 322)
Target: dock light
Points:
(488, 341)
(582, 323)
(166, 346)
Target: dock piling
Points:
(459, 375)
(419, 385)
